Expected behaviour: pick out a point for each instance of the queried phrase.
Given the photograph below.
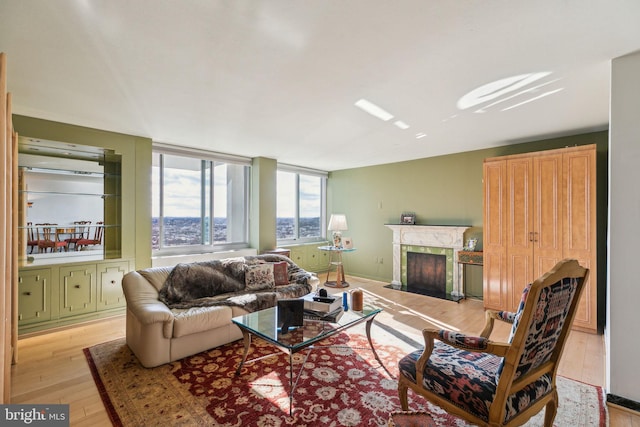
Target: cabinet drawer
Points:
(77, 290)
(34, 289)
(298, 255)
(110, 294)
(318, 260)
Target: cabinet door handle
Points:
(113, 282)
(531, 236)
(77, 286)
(27, 294)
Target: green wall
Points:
(136, 176)
(444, 190)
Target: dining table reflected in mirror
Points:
(50, 242)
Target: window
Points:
(200, 202)
(301, 202)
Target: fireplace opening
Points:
(427, 274)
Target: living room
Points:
(372, 195)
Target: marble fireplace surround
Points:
(440, 236)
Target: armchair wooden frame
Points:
(507, 383)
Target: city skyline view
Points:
(185, 231)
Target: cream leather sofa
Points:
(158, 334)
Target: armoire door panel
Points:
(494, 283)
(542, 264)
(580, 224)
(519, 203)
(494, 206)
(586, 314)
(520, 275)
(547, 233)
(520, 232)
(580, 197)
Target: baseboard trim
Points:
(623, 403)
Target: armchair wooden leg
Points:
(550, 410)
(402, 392)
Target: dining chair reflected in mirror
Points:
(81, 231)
(97, 237)
(32, 237)
(49, 239)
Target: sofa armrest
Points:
(143, 303)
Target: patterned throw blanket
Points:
(222, 282)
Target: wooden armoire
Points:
(539, 208)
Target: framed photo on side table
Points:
(408, 218)
(347, 243)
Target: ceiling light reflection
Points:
(551, 92)
(528, 90)
(373, 109)
(493, 90)
(400, 124)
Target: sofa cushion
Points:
(258, 277)
(199, 319)
(156, 275)
(280, 273)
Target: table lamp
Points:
(337, 224)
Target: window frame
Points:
(297, 170)
(212, 158)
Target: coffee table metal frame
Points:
(263, 324)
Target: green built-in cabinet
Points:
(59, 295)
(58, 289)
(34, 296)
(309, 257)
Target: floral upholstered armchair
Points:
(492, 383)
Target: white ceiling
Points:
(279, 78)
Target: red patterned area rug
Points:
(339, 386)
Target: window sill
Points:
(171, 260)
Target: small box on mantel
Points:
(319, 306)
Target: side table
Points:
(467, 258)
(335, 258)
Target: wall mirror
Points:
(69, 202)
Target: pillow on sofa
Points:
(280, 273)
(258, 277)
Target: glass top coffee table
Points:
(264, 324)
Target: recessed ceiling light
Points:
(374, 110)
(401, 124)
(420, 135)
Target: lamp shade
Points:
(337, 222)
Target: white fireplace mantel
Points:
(441, 236)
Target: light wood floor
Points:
(52, 367)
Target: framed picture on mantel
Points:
(408, 218)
